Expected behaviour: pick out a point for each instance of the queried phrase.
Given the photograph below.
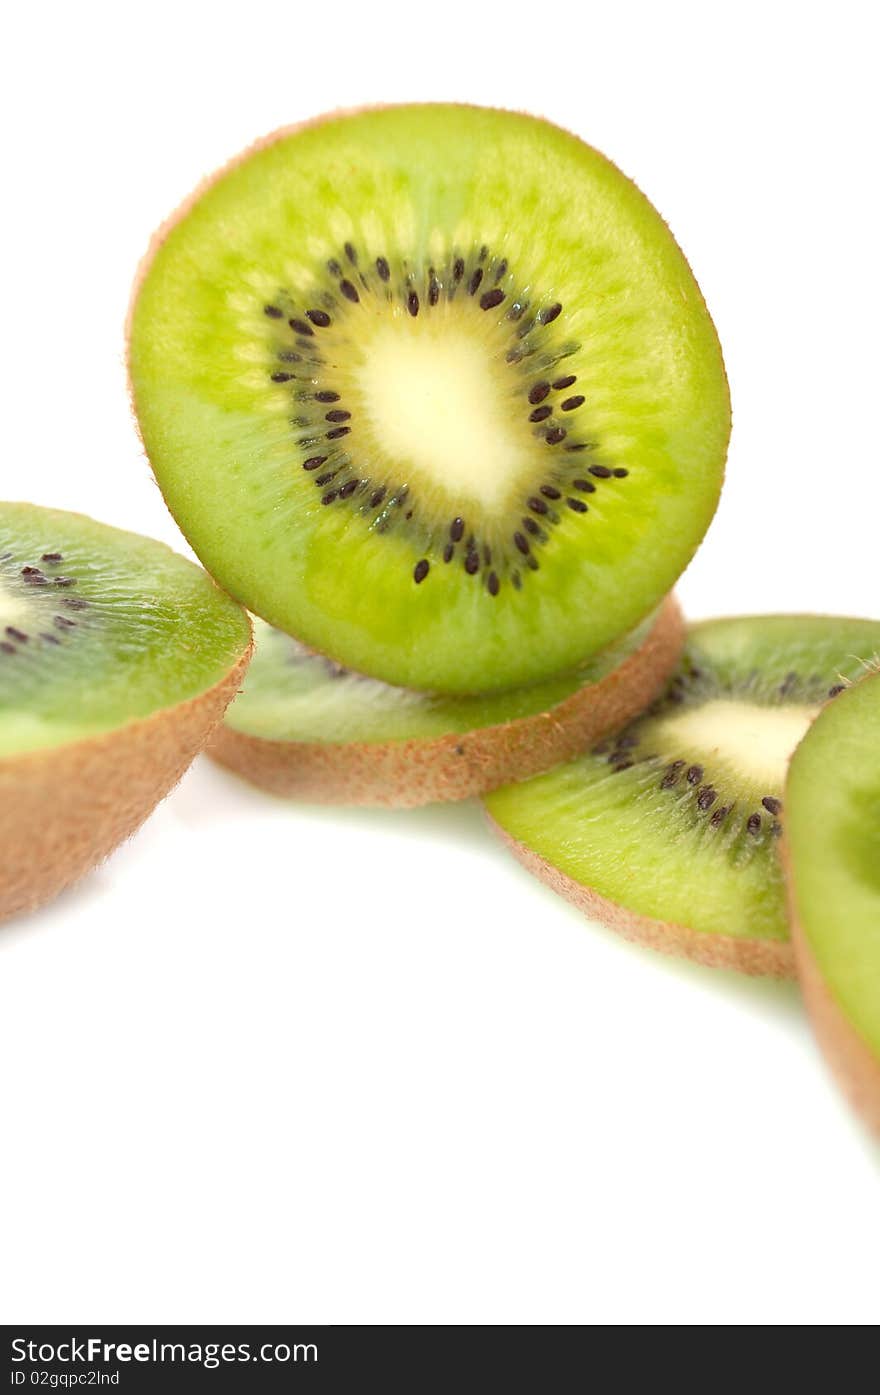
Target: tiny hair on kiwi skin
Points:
(117, 660)
(670, 832)
(519, 582)
(405, 773)
(831, 853)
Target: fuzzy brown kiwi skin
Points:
(62, 811)
(770, 958)
(405, 774)
(852, 1062)
(282, 132)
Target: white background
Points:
(277, 1064)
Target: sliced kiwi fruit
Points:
(117, 659)
(669, 831)
(305, 727)
(832, 850)
(433, 389)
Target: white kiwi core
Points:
(756, 741)
(436, 404)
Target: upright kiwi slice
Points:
(832, 848)
(669, 832)
(305, 727)
(433, 389)
(117, 659)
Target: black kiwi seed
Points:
(706, 798)
(300, 327)
(538, 505)
(456, 529)
(420, 571)
(338, 414)
(348, 489)
(319, 318)
(694, 775)
(720, 815)
(448, 552)
(51, 557)
(458, 269)
(491, 299)
(549, 491)
(376, 497)
(273, 312)
(600, 471)
(351, 253)
(584, 486)
(577, 505)
(16, 634)
(772, 805)
(552, 312)
(326, 396)
(349, 291)
(493, 584)
(383, 269)
(571, 403)
(538, 393)
(555, 436)
(474, 283)
(472, 563)
(412, 304)
(522, 543)
(753, 824)
(540, 414)
(562, 383)
(313, 462)
(837, 690)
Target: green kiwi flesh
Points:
(305, 727)
(100, 627)
(833, 854)
(433, 389)
(670, 831)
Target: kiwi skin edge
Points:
(75, 804)
(772, 958)
(405, 774)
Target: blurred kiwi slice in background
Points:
(305, 727)
(117, 659)
(433, 389)
(832, 848)
(669, 831)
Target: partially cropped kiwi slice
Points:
(669, 831)
(433, 389)
(304, 726)
(117, 659)
(832, 848)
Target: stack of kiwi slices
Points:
(432, 393)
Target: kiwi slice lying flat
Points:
(433, 389)
(669, 832)
(832, 847)
(117, 659)
(305, 727)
